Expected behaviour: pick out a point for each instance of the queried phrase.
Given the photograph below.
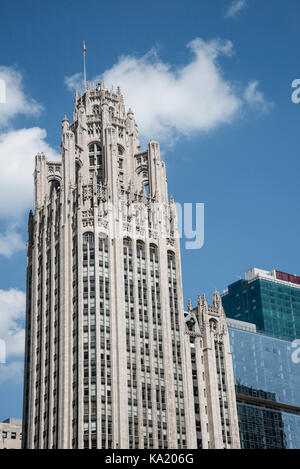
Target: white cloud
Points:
(256, 99)
(12, 332)
(174, 101)
(15, 100)
(235, 7)
(17, 151)
(12, 372)
(11, 242)
(74, 82)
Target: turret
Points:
(65, 124)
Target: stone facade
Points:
(11, 434)
(105, 365)
(108, 356)
(208, 346)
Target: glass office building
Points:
(267, 379)
(270, 300)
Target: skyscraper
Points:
(267, 379)
(208, 349)
(104, 362)
(270, 300)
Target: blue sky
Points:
(227, 126)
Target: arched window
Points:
(213, 324)
(171, 260)
(140, 247)
(96, 158)
(103, 263)
(88, 238)
(111, 112)
(127, 244)
(54, 186)
(121, 163)
(95, 148)
(154, 251)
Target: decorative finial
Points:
(84, 65)
(216, 298)
(65, 124)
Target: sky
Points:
(211, 80)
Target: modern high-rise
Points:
(267, 380)
(105, 358)
(270, 300)
(208, 348)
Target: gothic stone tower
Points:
(207, 344)
(105, 365)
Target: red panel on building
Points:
(288, 277)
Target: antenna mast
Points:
(84, 64)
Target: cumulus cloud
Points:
(13, 98)
(12, 372)
(11, 242)
(74, 82)
(12, 307)
(17, 150)
(256, 98)
(170, 101)
(235, 7)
